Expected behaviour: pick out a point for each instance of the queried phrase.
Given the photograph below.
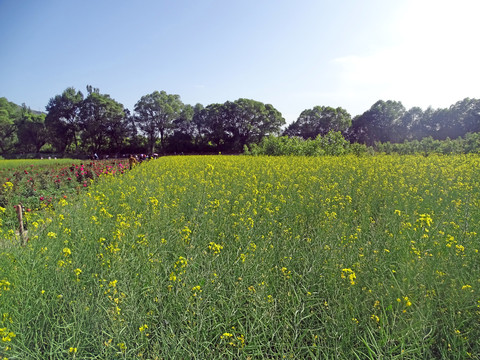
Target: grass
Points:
(241, 257)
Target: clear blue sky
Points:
(291, 54)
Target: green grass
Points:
(26, 163)
(241, 257)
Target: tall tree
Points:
(251, 120)
(9, 115)
(464, 117)
(182, 139)
(217, 130)
(62, 119)
(155, 114)
(411, 126)
(31, 131)
(232, 125)
(319, 120)
(379, 123)
(103, 123)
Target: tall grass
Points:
(241, 257)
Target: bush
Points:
(332, 143)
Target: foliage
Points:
(39, 184)
(319, 121)
(232, 125)
(426, 146)
(103, 123)
(380, 123)
(389, 121)
(333, 143)
(63, 119)
(31, 131)
(155, 114)
(160, 121)
(254, 257)
(9, 113)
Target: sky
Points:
(294, 55)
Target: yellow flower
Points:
(6, 335)
(407, 301)
(286, 272)
(8, 186)
(72, 350)
(215, 248)
(350, 274)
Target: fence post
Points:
(23, 236)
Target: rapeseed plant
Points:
(241, 257)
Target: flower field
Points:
(38, 184)
(215, 257)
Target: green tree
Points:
(319, 120)
(31, 131)
(155, 113)
(232, 125)
(182, 138)
(251, 120)
(464, 118)
(9, 114)
(62, 120)
(412, 124)
(199, 123)
(103, 123)
(380, 123)
(217, 131)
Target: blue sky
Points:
(292, 54)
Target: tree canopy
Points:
(78, 124)
(319, 120)
(155, 114)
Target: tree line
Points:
(75, 123)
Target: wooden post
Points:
(23, 237)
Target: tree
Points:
(217, 132)
(103, 123)
(155, 114)
(464, 117)
(412, 124)
(232, 125)
(319, 120)
(62, 121)
(31, 131)
(182, 138)
(9, 114)
(380, 123)
(251, 120)
(199, 124)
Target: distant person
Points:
(132, 161)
